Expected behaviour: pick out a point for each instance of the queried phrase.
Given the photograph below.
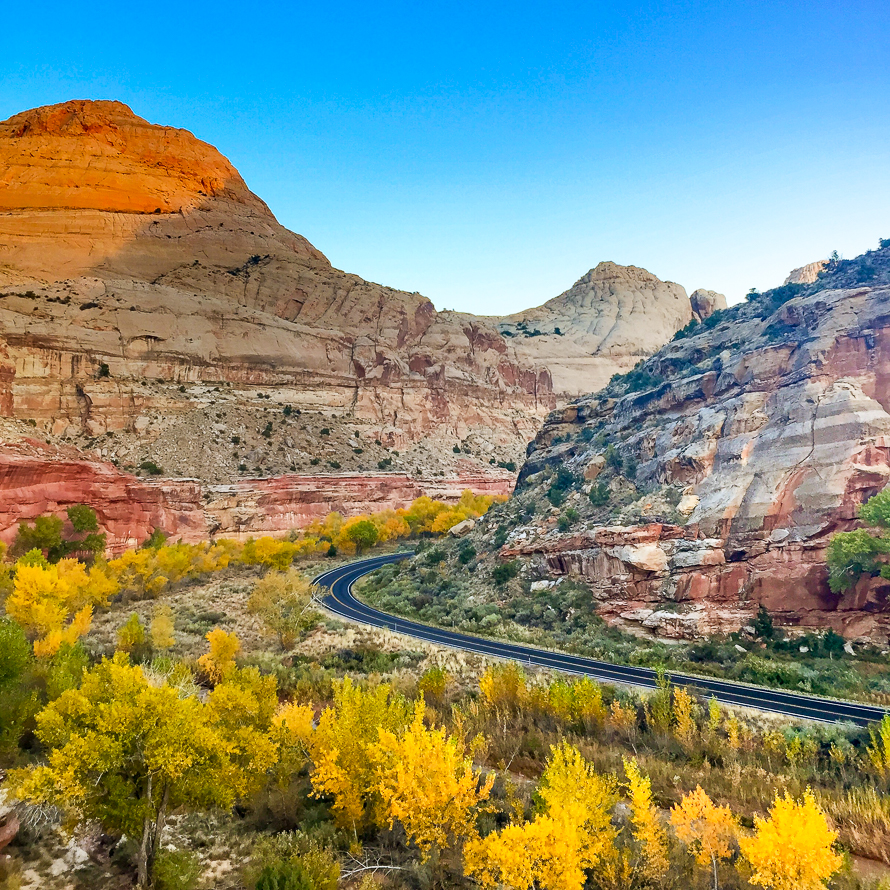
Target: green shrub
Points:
(567, 519)
(150, 468)
(293, 861)
(613, 459)
(640, 379)
(600, 495)
(176, 870)
(284, 876)
(467, 554)
(505, 572)
(852, 554)
(763, 624)
(560, 484)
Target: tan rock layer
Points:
(779, 426)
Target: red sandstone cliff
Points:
(752, 443)
(37, 479)
(153, 311)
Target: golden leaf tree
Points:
(793, 848)
(556, 849)
(124, 752)
(161, 627)
(647, 828)
(708, 830)
(220, 657)
(284, 603)
(427, 782)
(54, 603)
(343, 750)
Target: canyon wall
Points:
(37, 479)
(154, 313)
(751, 443)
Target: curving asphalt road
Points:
(342, 602)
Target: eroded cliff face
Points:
(140, 248)
(153, 311)
(37, 479)
(770, 429)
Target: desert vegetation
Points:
(452, 584)
(233, 749)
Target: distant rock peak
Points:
(806, 274)
(706, 302)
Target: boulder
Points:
(706, 302)
(462, 528)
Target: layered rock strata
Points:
(775, 424)
(151, 306)
(37, 479)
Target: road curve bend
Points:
(341, 601)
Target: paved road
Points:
(341, 601)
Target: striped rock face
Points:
(152, 306)
(752, 442)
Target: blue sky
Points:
(487, 155)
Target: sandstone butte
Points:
(775, 425)
(145, 287)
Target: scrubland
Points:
(187, 717)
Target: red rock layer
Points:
(37, 480)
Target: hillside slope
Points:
(709, 480)
(153, 313)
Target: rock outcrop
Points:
(806, 274)
(774, 426)
(606, 322)
(38, 479)
(706, 302)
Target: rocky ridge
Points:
(153, 311)
(606, 322)
(710, 479)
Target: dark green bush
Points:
(505, 572)
(467, 554)
(600, 495)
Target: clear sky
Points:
(488, 154)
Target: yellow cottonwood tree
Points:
(343, 750)
(793, 848)
(684, 712)
(555, 850)
(647, 828)
(283, 601)
(879, 749)
(427, 782)
(131, 634)
(220, 658)
(125, 752)
(161, 627)
(54, 603)
(708, 830)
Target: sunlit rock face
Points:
(150, 300)
(775, 424)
